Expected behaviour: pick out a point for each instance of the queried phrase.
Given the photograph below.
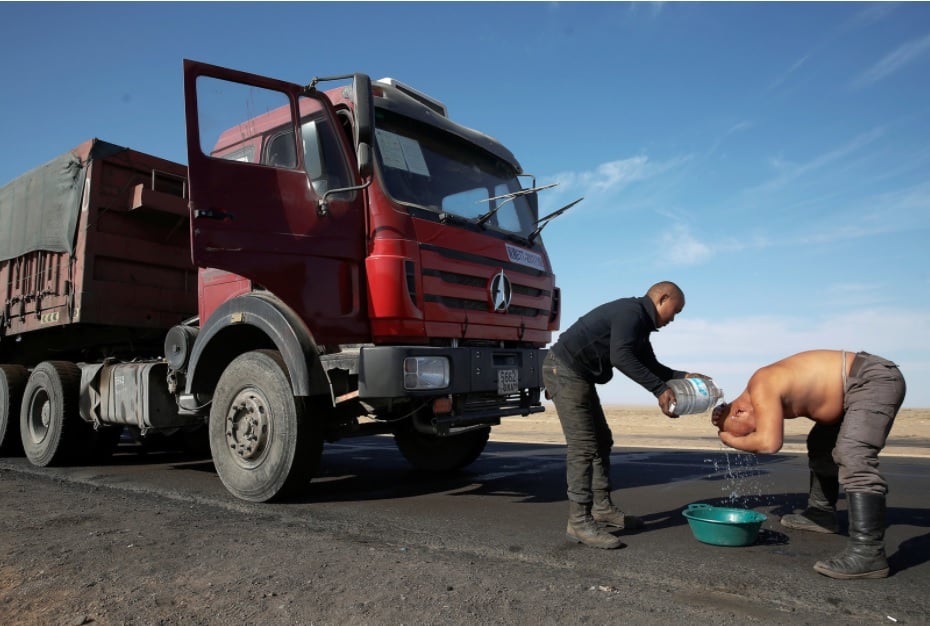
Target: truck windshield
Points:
(428, 168)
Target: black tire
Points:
(264, 444)
(431, 453)
(12, 382)
(50, 427)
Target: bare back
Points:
(810, 384)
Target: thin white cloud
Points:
(874, 12)
(915, 200)
(653, 8)
(897, 211)
(790, 71)
(789, 171)
(901, 210)
(616, 175)
(871, 14)
(680, 247)
(857, 294)
(739, 127)
(894, 62)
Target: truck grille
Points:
(476, 304)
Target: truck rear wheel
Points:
(432, 453)
(264, 443)
(12, 382)
(50, 426)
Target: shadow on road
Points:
(361, 470)
(911, 553)
(372, 469)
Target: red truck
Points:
(329, 264)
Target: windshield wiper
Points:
(543, 221)
(507, 197)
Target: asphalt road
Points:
(509, 506)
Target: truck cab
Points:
(390, 255)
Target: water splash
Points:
(744, 481)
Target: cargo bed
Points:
(94, 256)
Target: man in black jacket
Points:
(615, 334)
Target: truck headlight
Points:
(426, 372)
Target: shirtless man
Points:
(852, 399)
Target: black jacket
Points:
(615, 334)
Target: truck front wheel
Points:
(12, 382)
(431, 453)
(51, 429)
(264, 443)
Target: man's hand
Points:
(696, 375)
(666, 399)
(719, 415)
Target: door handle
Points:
(213, 214)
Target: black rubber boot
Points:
(604, 511)
(583, 529)
(864, 556)
(820, 514)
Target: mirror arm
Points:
(322, 207)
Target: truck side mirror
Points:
(364, 108)
(363, 156)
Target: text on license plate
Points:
(508, 381)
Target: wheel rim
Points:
(249, 428)
(39, 416)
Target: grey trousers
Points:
(873, 395)
(587, 437)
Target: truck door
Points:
(261, 155)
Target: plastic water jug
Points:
(693, 395)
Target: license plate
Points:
(508, 381)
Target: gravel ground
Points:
(75, 554)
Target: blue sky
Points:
(771, 158)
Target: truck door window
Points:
(235, 118)
(229, 116)
(245, 154)
(281, 151)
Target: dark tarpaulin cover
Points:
(40, 209)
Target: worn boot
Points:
(583, 529)
(820, 514)
(864, 556)
(604, 511)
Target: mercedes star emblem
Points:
(501, 292)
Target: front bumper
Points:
(482, 373)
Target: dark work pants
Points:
(587, 437)
(873, 395)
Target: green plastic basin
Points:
(722, 526)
